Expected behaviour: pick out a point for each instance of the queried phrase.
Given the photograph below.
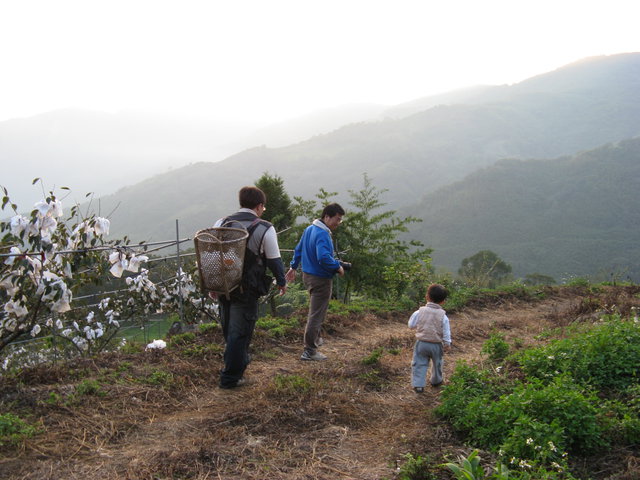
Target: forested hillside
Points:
(575, 215)
(578, 107)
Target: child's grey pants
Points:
(423, 352)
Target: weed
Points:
(276, 326)
(292, 385)
(374, 357)
(496, 348)
(90, 387)
(53, 399)
(415, 468)
(14, 430)
(160, 378)
(202, 350)
(182, 339)
(207, 327)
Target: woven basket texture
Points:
(220, 257)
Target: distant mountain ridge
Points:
(411, 156)
(571, 216)
(535, 123)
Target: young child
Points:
(433, 337)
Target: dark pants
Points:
(320, 294)
(238, 318)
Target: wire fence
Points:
(129, 328)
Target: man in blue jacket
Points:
(315, 252)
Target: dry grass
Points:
(160, 415)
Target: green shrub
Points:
(292, 385)
(415, 468)
(276, 326)
(90, 387)
(207, 327)
(160, 378)
(374, 357)
(202, 350)
(182, 339)
(14, 430)
(496, 348)
(467, 384)
(606, 356)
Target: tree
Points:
(484, 269)
(369, 240)
(279, 210)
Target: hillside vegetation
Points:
(554, 211)
(569, 216)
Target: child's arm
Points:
(446, 333)
(413, 320)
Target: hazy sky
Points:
(267, 60)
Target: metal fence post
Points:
(180, 302)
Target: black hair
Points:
(332, 210)
(437, 293)
(251, 197)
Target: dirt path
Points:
(352, 422)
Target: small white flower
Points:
(134, 263)
(15, 253)
(16, 309)
(18, 225)
(118, 267)
(102, 226)
(156, 344)
(43, 208)
(35, 330)
(529, 441)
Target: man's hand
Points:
(340, 271)
(282, 289)
(290, 276)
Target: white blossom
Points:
(43, 208)
(47, 227)
(102, 226)
(35, 330)
(118, 267)
(156, 344)
(16, 309)
(81, 343)
(15, 253)
(134, 263)
(18, 225)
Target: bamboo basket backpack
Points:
(224, 260)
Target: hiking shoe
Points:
(418, 389)
(239, 383)
(312, 357)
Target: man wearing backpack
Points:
(239, 313)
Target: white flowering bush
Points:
(37, 279)
(47, 260)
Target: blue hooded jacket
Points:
(315, 252)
